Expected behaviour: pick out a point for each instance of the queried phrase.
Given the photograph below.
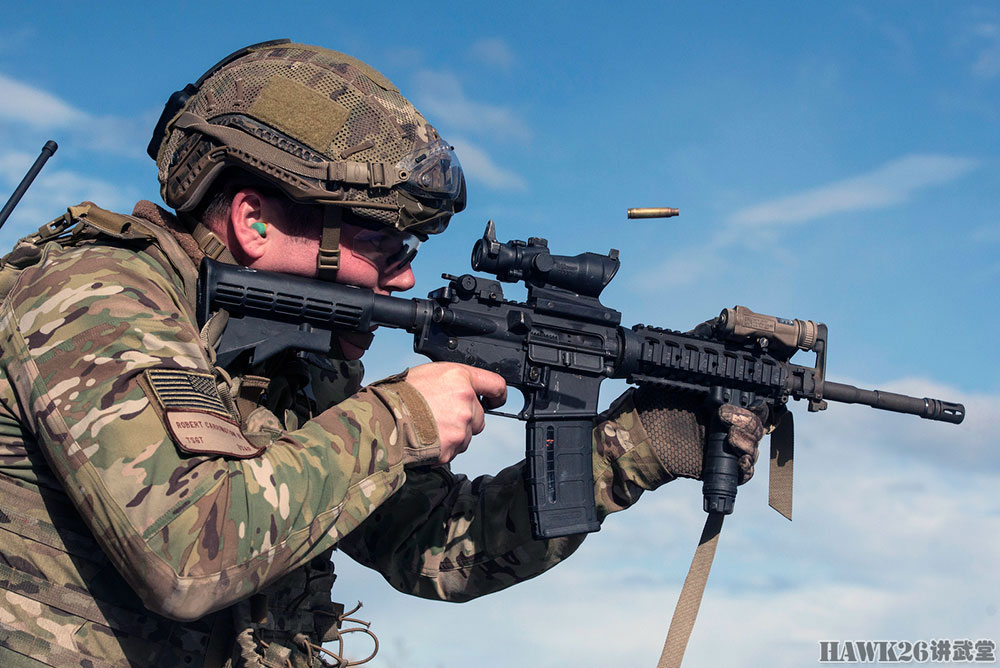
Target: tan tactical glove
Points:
(677, 426)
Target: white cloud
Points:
(480, 167)
(52, 191)
(443, 100)
(21, 103)
(892, 183)
(493, 51)
(14, 164)
(68, 186)
(25, 104)
(753, 228)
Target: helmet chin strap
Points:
(209, 243)
(328, 259)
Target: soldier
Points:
(158, 510)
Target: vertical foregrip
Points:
(561, 476)
(721, 466)
(720, 473)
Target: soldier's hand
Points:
(677, 425)
(746, 429)
(456, 395)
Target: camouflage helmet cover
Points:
(321, 125)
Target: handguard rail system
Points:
(556, 348)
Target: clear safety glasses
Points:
(390, 250)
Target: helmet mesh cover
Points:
(380, 124)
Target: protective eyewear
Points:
(390, 250)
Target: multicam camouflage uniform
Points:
(152, 508)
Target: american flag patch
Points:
(187, 390)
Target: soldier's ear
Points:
(249, 225)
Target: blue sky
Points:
(837, 163)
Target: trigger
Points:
(523, 414)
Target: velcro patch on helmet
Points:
(194, 414)
(314, 119)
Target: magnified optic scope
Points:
(585, 274)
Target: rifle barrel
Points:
(47, 151)
(931, 409)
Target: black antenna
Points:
(47, 151)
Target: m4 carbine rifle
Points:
(555, 348)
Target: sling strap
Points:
(689, 602)
(691, 594)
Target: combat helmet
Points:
(320, 125)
